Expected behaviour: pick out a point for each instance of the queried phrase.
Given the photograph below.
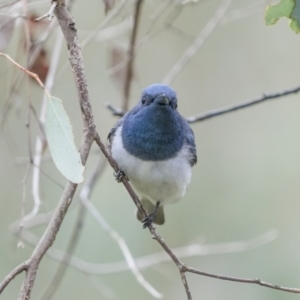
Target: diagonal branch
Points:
(227, 109)
(130, 55)
(19, 269)
(224, 110)
(69, 31)
(244, 280)
(122, 245)
(198, 42)
(153, 259)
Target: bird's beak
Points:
(162, 100)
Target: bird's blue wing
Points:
(120, 122)
(190, 142)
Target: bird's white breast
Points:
(164, 181)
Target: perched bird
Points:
(154, 147)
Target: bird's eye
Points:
(143, 100)
(176, 106)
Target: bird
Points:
(154, 147)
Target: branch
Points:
(40, 143)
(115, 111)
(49, 14)
(198, 42)
(93, 34)
(122, 245)
(157, 258)
(129, 69)
(64, 264)
(89, 129)
(53, 285)
(224, 110)
(19, 269)
(33, 75)
(31, 59)
(244, 280)
(227, 109)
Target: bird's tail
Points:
(150, 207)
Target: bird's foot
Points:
(119, 175)
(148, 220)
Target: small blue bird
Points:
(154, 147)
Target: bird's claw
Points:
(119, 175)
(148, 220)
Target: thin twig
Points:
(153, 259)
(24, 184)
(51, 288)
(8, 4)
(35, 76)
(49, 14)
(171, 18)
(245, 280)
(69, 31)
(231, 108)
(32, 58)
(41, 143)
(19, 269)
(198, 42)
(245, 12)
(122, 245)
(54, 284)
(227, 109)
(115, 111)
(93, 34)
(130, 55)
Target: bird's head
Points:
(159, 95)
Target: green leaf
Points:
(61, 141)
(286, 8)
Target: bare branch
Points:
(53, 285)
(185, 283)
(69, 31)
(244, 280)
(246, 12)
(61, 270)
(33, 75)
(41, 143)
(32, 58)
(93, 34)
(115, 111)
(155, 259)
(231, 108)
(49, 14)
(198, 42)
(122, 245)
(129, 69)
(19, 269)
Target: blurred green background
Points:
(246, 181)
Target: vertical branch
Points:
(198, 42)
(129, 69)
(68, 28)
(40, 143)
(51, 288)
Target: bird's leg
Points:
(149, 219)
(119, 175)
